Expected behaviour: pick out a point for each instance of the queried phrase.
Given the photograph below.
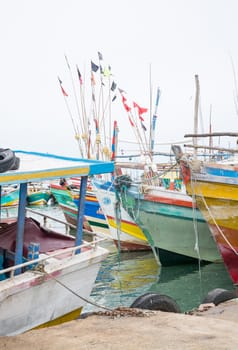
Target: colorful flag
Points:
(62, 89)
(67, 61)
(121, 90)
(100, 56)
(93, 82)
(127, 108)
(141, 110)
(107, 71)
(143, 126)
(115, 130)
(114, 85)
(79, 76)
(94, 67)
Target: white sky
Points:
(177, 38)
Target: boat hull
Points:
(71, 212)
(34, 299)
(126, 234)
(38, 198)
(69, 205)
(172, 225)
(10, 198)
(219, 204)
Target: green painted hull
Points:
(10, 198)
(177, 229)
(38, 198)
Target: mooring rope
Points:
(40, 269)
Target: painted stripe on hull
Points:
(128, 227)
(71, 217)
(65, 318)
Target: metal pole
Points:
(20, 225)
(80, 218)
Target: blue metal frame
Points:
(81, 208)
(20, 225)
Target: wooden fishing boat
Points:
(170, 222)
(38, 194)
(9, 195)
(125, 233)
(46, 277)
(67, 198)
(215, 189)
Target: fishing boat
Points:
(9, 195)
(67, 197)
(46, 276)
(125, 233)
(38, 194)
(215, 189)
(170, 221)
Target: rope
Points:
(195, 224)
(41, 270)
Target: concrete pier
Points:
(205, 328)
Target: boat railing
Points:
(36, 262)
(68, 225)
(45, 216)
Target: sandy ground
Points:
(215, 328)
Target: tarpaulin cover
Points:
(33, 233)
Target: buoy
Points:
(156, 301)
(219, 295)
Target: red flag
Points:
(141, 110)
(127, 108)
(79, 76)
(93, 82)
(63, 91)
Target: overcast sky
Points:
(176, 39)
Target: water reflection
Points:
(189, 284)
(125, 277)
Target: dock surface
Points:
(215, 328)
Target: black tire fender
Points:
(219, 295)
(16, 164)
(156, 301)
(8, 160)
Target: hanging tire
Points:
(155, 301)
(219, 295)
(16, 164)
(8, 160)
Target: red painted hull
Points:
(229, 252)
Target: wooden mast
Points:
(196, 114)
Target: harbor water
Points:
(125, 276)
